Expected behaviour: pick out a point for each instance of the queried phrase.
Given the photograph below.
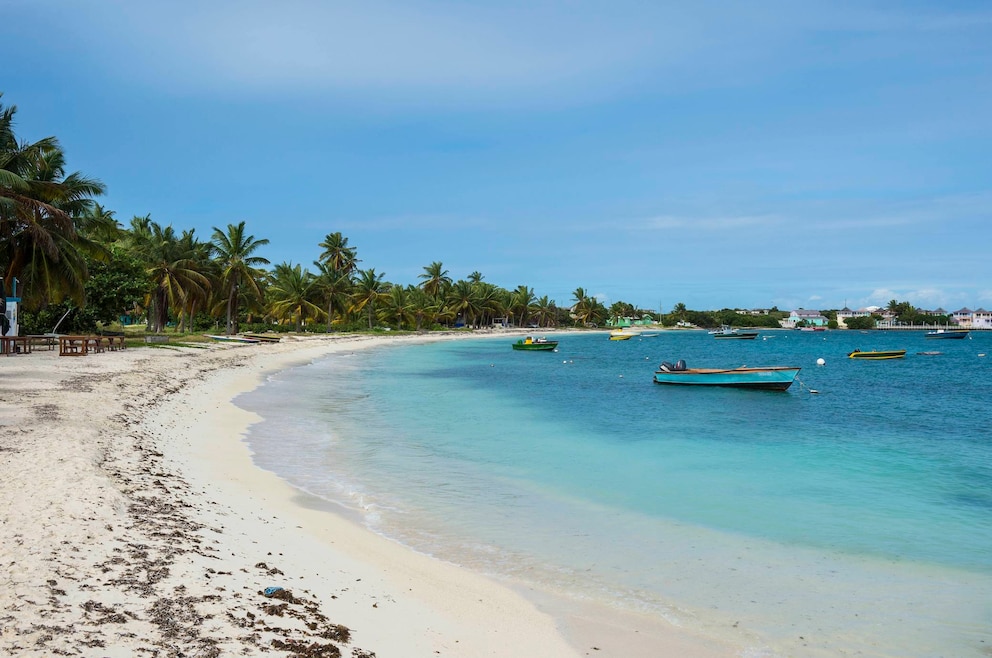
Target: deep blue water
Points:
(573, 470)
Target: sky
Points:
(718, 154)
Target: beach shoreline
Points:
(137, 521)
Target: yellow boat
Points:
(878, 355)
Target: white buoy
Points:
(820, 362)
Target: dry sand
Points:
(135, 523)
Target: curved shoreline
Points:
(137, 521)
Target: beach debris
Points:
(269, 592)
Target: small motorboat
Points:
(948, 333)
(772, 378)
(877, 355)
(530, 344)
(729, 332)
(623, 334)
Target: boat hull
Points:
(740, 335)
(777, 378)
(547, 346)
(878, 355)
(949, 335)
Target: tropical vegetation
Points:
(76, 267)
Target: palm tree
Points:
(170, 263)
(546, 311)
(435, 279)
(369, 290)
(520, 303)
(338, 254)
(583, 307)
(238, 265)
(464, 300)
(39, 210)
(292, 294)
(335, 287)
(401, 305)
(475, 277)
(680, 311)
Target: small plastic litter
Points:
(269, 592)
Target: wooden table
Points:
(72, 345)
(10, 345)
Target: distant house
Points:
(963, 317)
(846, 314)
(627, 321)
(810, 318)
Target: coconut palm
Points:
(170, 263)
(546, 311)
(400, 305)
(520, 301)
(238, 266)
(369, 291)
(335, 287)
(338, 254)
(466, 301)
(293, 293)
(435, 279)
(39, 207)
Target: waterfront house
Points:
(810, 318)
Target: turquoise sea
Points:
(851, 514)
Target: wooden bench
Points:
(115, 343)
(48, 340)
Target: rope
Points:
(802, 385)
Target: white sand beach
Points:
(135, 523)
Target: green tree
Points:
(369, 291)
(338, 255)
(435, 279)
(234, 252)
(292, 294)
(335, 287)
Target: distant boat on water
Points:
(729, 332)
(772, 378)
(948, 333)
(877, 355)
(530, 344)
(623, 334)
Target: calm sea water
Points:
(857, 517)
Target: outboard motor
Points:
(680, 365)
(666, 366)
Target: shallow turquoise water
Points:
(574, 471)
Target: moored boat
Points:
(948, 333)
(772, 378)
(877, 355)
(623, 334)
(729, 332)
(530, 344)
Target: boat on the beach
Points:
(772, 378)
(729, 332)
(265, 338)
(877, 355)
(233, 339)
(530, 344)
(948, 333)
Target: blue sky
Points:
(796, 154)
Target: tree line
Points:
(75, 265)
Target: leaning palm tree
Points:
(39, 209)
(369, 291)
(238, 266)
(293, 294)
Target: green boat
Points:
(535, 344)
